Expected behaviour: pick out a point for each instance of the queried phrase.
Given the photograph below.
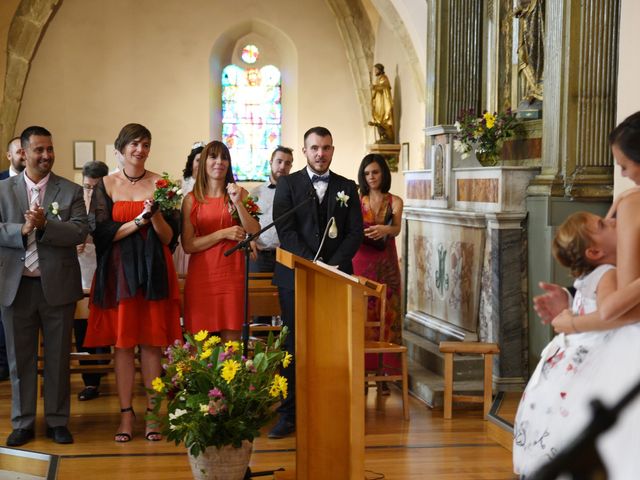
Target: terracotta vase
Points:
(226, 463)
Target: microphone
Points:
(331, 231)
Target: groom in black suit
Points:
(301, 233)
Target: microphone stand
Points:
(246, 247)
(580, 458)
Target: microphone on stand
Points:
(331, 231)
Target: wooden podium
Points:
(330, 314)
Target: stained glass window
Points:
(251, 118)
(250, 54)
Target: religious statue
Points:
(382, 106)
(531, 48)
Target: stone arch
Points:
(27, 28)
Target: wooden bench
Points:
(478, 348)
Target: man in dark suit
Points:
(15, 155)
(42, 219)
(334, 197)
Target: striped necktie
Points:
(31, 257)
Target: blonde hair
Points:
(571, 242)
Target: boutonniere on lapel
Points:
(342, 198)
(54, 209)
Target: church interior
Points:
(475, 240)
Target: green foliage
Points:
(215, 396)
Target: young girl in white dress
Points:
(593, 359)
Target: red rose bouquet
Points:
(249, 204)
(168, 194)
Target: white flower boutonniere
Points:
(342, 198)
(54, 209)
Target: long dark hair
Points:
(188, 168)
(626, 136)
(385, 184)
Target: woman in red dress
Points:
(214, 219)
(135, 298)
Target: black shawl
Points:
(134, 262)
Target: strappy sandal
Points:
(153, 436)
(124, 436)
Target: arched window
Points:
(251, 115)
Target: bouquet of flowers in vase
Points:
(168, 194)
(215, 395)
(484, 135)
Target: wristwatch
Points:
(138, 221)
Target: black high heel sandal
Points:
(126, 436)
(153, 436)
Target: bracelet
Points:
(138, 221)
(573, 324)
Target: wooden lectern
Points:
(330, 315)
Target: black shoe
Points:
(4, 374)
(19, 436)
(59, 434)
(282, 429)
(89, 393)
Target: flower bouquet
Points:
(484, 135)
(250, 204)
(167, 195)
(216, 396)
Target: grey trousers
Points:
(22, 321)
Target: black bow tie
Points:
(271, 185)
(318, 178)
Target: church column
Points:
(580, 80)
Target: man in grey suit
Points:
(42, 219)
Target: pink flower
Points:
(215, 393)
(251, 388)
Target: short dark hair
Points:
(11, 141)
(95, 169)
(280, 148)
(33, 130)
(320, 131)
(385, 184)
(188, 168)
(213, 149)
(129, 133)
(626, 136)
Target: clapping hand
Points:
(374, 232)
(563, 323)
(550, 304)
(34, 218)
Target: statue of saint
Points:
(382, 106)
(531, 48)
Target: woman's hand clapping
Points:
(150, 208)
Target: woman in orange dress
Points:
(135, 298)
(214, 219)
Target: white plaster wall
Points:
(628, 74)
(104, 64)
(414, 17)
